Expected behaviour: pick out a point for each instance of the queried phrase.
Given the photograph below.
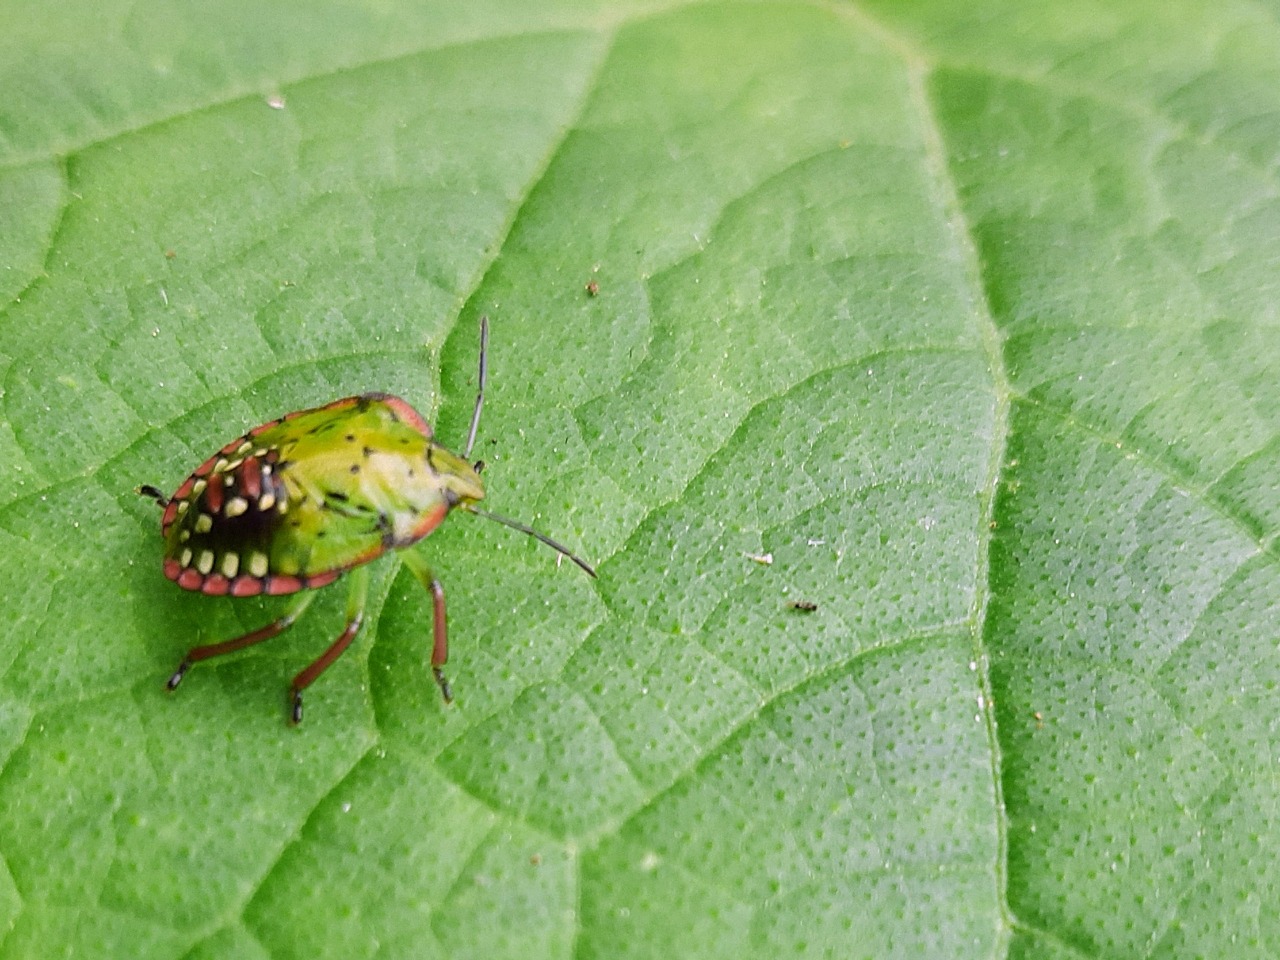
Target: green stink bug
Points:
(293, 504)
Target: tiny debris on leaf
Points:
(592, 288)
(808, 606)
(764, 558)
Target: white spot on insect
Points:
(262, 452)
(185, 559)
(204, 523)
(230, 564)
(228, 480)
(235, 506)
(258, 564)
(204, 563)
(267, 501)
(282, 507)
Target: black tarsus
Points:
(153, 493)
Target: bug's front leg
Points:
(356, 596)
(440, 634)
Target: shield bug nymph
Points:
(294, 504)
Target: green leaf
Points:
(964, 318)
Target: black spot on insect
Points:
(411, 473)
(367, 452)
(351, 438)
(336, 495)
(354, 468)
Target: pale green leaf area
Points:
(966, 316)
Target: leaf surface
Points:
(958, 322)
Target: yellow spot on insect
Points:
(198, 488)
(183, 507)
(220, 465)
(262, 452)
(204, 563)
(282, 507)
(267, 501)
(258, 564)
(204, 523)
(235, 506)
(235, 463)
(230, 564)
(184, 536)
(243, 448)
(185, 559)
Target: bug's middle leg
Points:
(440, 634)
(355, 617)
(272, 629)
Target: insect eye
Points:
(478, 466)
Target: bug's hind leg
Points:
(273, 629)
(355, 617)
(440, 635)
(152, 493)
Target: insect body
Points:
(293, 504)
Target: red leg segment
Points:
(273, 629)
(440, 633)
(322, 663)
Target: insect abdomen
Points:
(221, 524)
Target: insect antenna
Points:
(484, 367)
(517, 525)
